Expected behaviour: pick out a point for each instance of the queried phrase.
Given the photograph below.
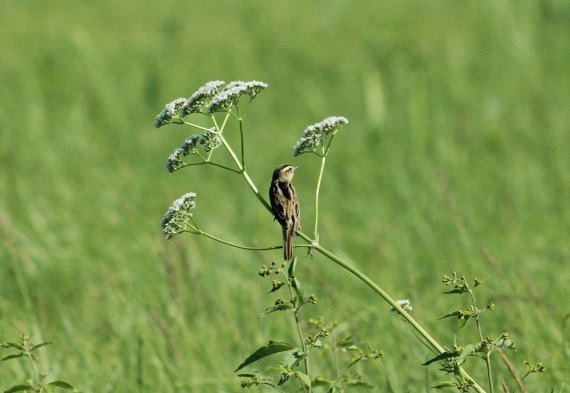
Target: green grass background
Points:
(456, 158)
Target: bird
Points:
(285, 205)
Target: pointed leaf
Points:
(292, 266)
(293, 358)
(41, 345)
(278, 307)
(299, 290)
(304, 378)
(442, 356)
(360, 384)
(14, 356)
(271, 348)
(452, 314)
(61, 384)
(444, 385)
(277, 287)
(503, 342)
(456, 291)
(19, 388)
(13, 345)
(321, 382)
(468, 350)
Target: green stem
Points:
(522, 379)
(240, 121)
(34, 368)
(298, 324)
(210, 163)
(388, 299)
(316, 232)
(196, 126)
(235, 245)
(350, 269)
(487, 354)
(244, 173)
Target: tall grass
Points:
(458, 160)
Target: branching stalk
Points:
(299, 331)
(432, 342)
(487, 354)
(242, 247)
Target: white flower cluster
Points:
(207, 140)
(230, 95)
(200, 100)
(404, 304)
(210, 98)
(175, 219)
(171, 110)
(315, 134)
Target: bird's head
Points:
(284, 173)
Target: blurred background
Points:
(456, 158)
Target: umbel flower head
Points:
(206, 141)
(200, 100)
(171, 111)
(177, 218)
(316, 134)
(230, 95)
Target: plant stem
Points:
(316, 233)
(522, 379)
(244, 173)
(196, 126)
(388, 299)
(208, 235)
(240, 121)
(349, 268)
(298, 324)
(34, 368)
(487, 354)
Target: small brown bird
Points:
(285, 205)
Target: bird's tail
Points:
(287, 244)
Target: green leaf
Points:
(278, 307)
(19, 388)
(321, 382)
(503, 342)
(271, 348)
(468, 350)
(61, 384)
(455, 314)
(277, 287)
(14, 356)
(299, 290)
(360, 384)
(443, 356)
(304, 378)
(456, 291)
(293, 358)
(292, 266)
(246, 375)
(13, 345)
(444, 385)
(41, 345)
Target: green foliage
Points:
(39, 384)
(461, 107)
